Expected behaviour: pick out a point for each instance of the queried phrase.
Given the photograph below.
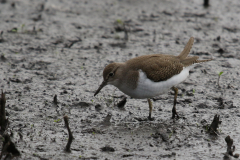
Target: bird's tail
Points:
(186, 50)
(191, 60)
(187, 61)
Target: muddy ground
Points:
(59, 47)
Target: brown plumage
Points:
(157, 67)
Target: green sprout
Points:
(219, 75)
(206, 128)
(14, 30)
(219, 130)
(193, 91)
(170, 135)
(22, 27)
(215, 19)
(35, 154)
(57, 120)
(119, 21)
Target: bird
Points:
(148, 76)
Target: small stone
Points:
(236, 155)
(98, 107)
(122, 103)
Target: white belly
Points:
(148, 89)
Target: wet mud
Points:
(52, 54)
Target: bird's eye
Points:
(111, 74)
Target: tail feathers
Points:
(201, 61)
(191, 60)
(186, 50)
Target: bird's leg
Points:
(150, 109)
(174, 112)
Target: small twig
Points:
(206, 3)
(3, 120)
(70, 138)
(1, 37)
(55, 99)
(154, 36)
(214, 125)
(72, 42)
(214, 132)
(9, 147)
(125, 32)
(230, 147)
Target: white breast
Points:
(146, 88)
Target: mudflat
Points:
(58, 47)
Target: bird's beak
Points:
(104, 83)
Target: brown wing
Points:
(157, 67)
(160, 67)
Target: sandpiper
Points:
(150, 75)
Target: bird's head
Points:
(110, 76)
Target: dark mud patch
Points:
(107, 149)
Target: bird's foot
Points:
(151, 118)
(175, 115)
